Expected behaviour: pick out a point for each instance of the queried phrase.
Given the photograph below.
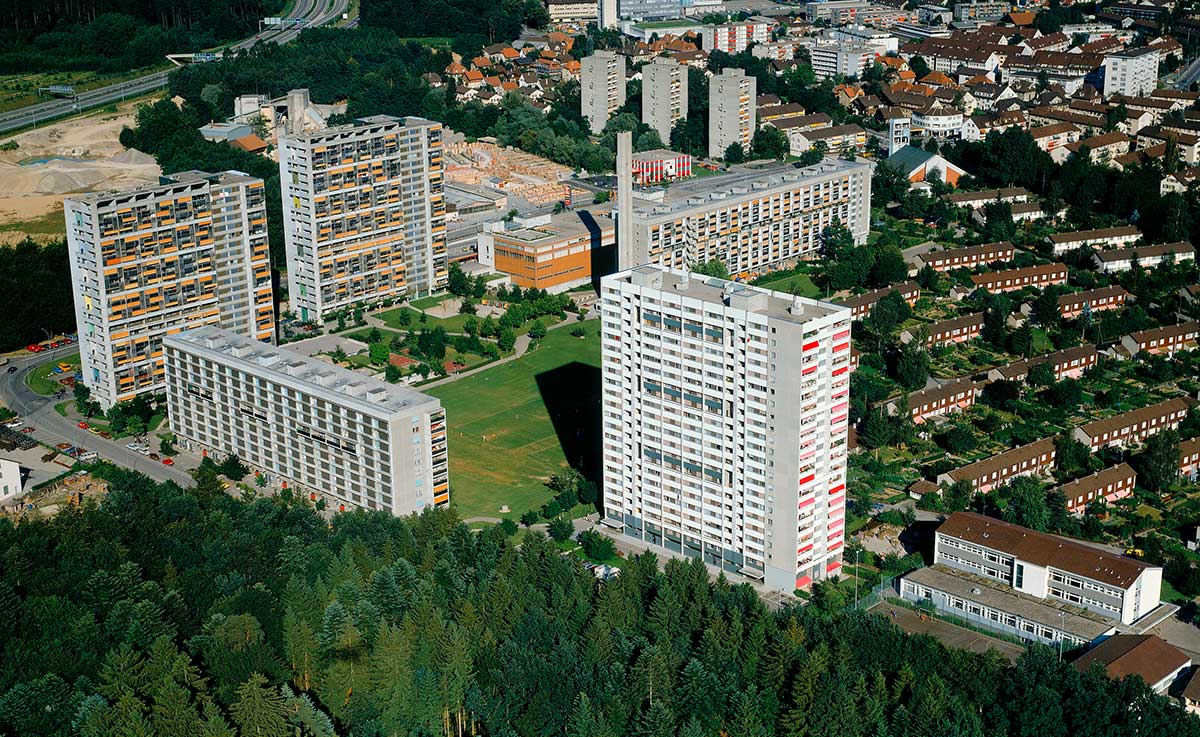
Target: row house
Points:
(1132, 428)
(1071, 71)
(1112, 484)
(1071, 306)
(1034, 459)
(1069, 363)
(837, 138)
(862, 305)
(953, 396)
(1189, 459)
(1088, 123)
(1167, 339)
(967, 257)
(947, 332)
(1011, 280)
(1123, 235)
(1123, 259)
(1157, 107)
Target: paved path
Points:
(52, 428)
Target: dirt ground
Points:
(948, 634)
(85, 155)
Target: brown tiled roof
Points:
(1092, 235)
(963, 321)
(1052, 130)
(1044, 549)
(1191, 692)
(1091, 295)
(1148, 656)
(985, 249)
(1167, 331)
(1110, 425)
(1014, 456)
(870, 298)
(1098, 480)
(1021, 368)
(1158, 249)
(937, 393)
(982, 280)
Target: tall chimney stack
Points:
(626, 256)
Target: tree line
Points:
(37, 297)
(163, 611)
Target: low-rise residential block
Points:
(1034, 459)
(1111, 484)
(969, 257)
(862, 305)
(1123, 235)
(953, 396)
(1073, 305)
(1010, 280)
(1132, 428)
(1167, 339)
(1069, 363)
(1123, 259)
(945, 332)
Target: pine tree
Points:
(259, 710)
(301, 650)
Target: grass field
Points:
(802, 283)
(40, 381)
(504, 440)
(51, 223)
(391, 318)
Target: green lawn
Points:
(391, 318)
(503, 445)
(44, 381)
(801, 284)
(432, 300)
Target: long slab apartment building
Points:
(754, 220)
(319, 428)
(153, 260)
(364, 213)
(725, 423)
(1033, 585)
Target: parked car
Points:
(94, 430)
(168, 462)
(12, 369)
(28, 430)
(81, 425)
(154, 456)
(13, 424)
(88, 456)
(105, 434)
(63, 446)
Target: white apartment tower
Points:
(364, 213)
(725, 422)
(752, 220)
(154, 260)
(1132, 72)
(731, 111)
(602, 87)
(664, 96)
(320, 429)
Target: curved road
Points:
(53, 428)
(315, 13)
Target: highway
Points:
(315, 13)
(52, 428)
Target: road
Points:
(1187, 75)
(315, 13)
(53, 428)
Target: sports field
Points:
(513, 425)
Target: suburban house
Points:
(1010, 280)
(917, 165)
(1069, 363)
(1167, 339)
(1146, 256)
(1073, 305)
(953, 396)
(861, 305)
(1098, 238)
(975, 200)
(1034, 459)
(1189, 459)
(962, 258)
(1111, 484)
(944, 332)
(1133, 427)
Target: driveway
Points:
(53, 428)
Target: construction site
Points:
(515, 173)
